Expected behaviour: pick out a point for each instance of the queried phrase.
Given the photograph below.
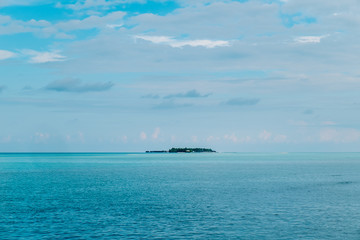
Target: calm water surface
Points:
(180, 196)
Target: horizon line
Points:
(137, 152)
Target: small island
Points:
(184, 150)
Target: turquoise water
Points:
(180, 196)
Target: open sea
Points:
(180, 196)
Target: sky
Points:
(137, 75)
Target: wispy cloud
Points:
(76, 85)
(182, 43)
(43, 57)
(189, 94)
(114, 26)
(242, 101)
(309, 39)
(112, 20)
(4, 54)
(339, 135)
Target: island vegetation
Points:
(184, 150)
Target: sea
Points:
(180, 196)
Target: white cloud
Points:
(309, 39)
(41, 137)
(81, 136)
(143, 136)
(155, 39)
(156, 133)
(212, 139)
(231, 137)
(61, 35)
(111, 20)
(43, 57)
(114, 26)
(182, 43)
(40, 23)
(43, 28)
(339, 135)
(265, 135)
(74, 137)
(247, 139)
(328, 123)
(200, 43)
(6, 139)
(10, 26)
(280, 138)
(6, 54)
(209, 21)
(121, 54)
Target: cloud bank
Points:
(182, 43)
(43, 57)
(4, 54)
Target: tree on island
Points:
(188, 150)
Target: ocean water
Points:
(180, 196)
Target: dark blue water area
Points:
(180, 196)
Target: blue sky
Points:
(136, 75)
